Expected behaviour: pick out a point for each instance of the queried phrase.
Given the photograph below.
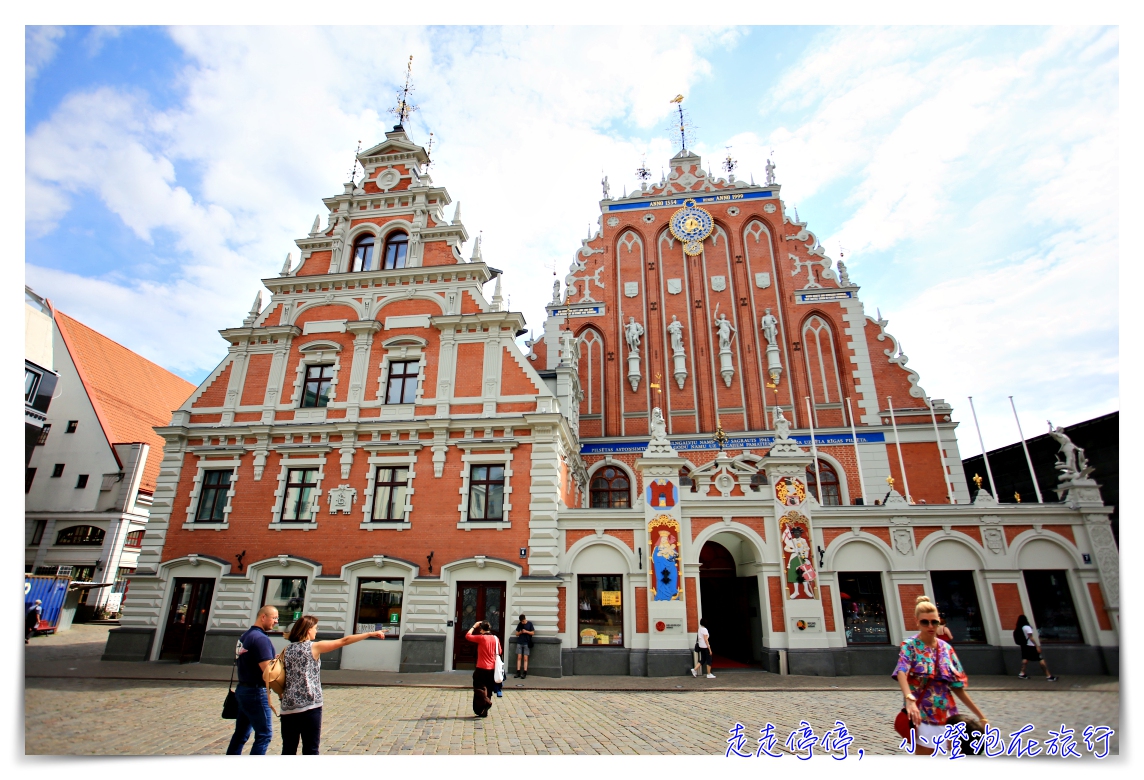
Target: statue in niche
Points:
(770, 326)
(632, 333)
(725, 330)
(675, 331)
(658, 426)
(782, 424)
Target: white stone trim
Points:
(285, 465)
(306, 359)
(401, 349)
(395, 460)
(468, 459)
(205, 465)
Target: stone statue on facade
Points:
(770, 172)
(782, 425)
(632, 333)
(556, 291)
(675, 331)
(725, 330)
(1071, 462)
(659, 444)
(843, 276)
(770, 326)
(607, 188)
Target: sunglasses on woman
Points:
(928, 623)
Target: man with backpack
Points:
(1030, 650)
(255, 653)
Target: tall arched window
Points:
(363, 254)
(610, 490)
(831, 494)
(396, 247)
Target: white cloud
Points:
(40, 47)
(268, 126)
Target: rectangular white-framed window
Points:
(315, 378)
(389, 490)
(212, 494)
(486, 486)
(401, 379)
(297, 500)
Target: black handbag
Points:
(230, 703)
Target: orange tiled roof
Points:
(131, 395)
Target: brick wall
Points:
(828, 608)
(908, 595)
(777, 599)
(1007, 596)
(641, 610)
(1097, 597)
(692, 609)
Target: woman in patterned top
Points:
(930, 675)
(302, 695)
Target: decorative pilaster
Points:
(363, 331)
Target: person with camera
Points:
(488, 648)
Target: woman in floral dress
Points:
(930, 675)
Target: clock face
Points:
(691, 225)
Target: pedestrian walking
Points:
(488, 648)
(524, 633)
(930, 675)
(703, 647)
(1030, 650)
(32, 619)
(255, 652)
(943, 632)
(302, 695)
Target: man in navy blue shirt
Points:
(255, 652)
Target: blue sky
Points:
(970, 173)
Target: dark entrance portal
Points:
(727, 606)
(476, 601)
(187, 620)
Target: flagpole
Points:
(981, 441)
(814, 452)
(857, 457)
(898, 444)
(940, 451)
(1025, 447)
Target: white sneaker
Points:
(694, 673)
(710, 677)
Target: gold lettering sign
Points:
(610, 598)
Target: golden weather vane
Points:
(404, 108)
(684, 122)
(977, 480)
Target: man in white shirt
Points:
(703, 646)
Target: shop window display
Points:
(956, 596)
(289, 595)
(1052, 605)
(601, 610)
(863, 608)
(379, 606)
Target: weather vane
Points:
(720, 436)
(730, 165)
(642, 173)
(404, 107)
(353, 168)
(684, 123)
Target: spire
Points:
(255, 308)
(285, 269)
(498, 300)
(316, 227)
(476, 258)
(457, 214)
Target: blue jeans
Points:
(253, 713)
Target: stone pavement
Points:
(180, 715)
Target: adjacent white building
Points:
(92, 471)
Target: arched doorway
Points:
(730, 606)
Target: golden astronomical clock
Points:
(690, 226)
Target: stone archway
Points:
(728, 603)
